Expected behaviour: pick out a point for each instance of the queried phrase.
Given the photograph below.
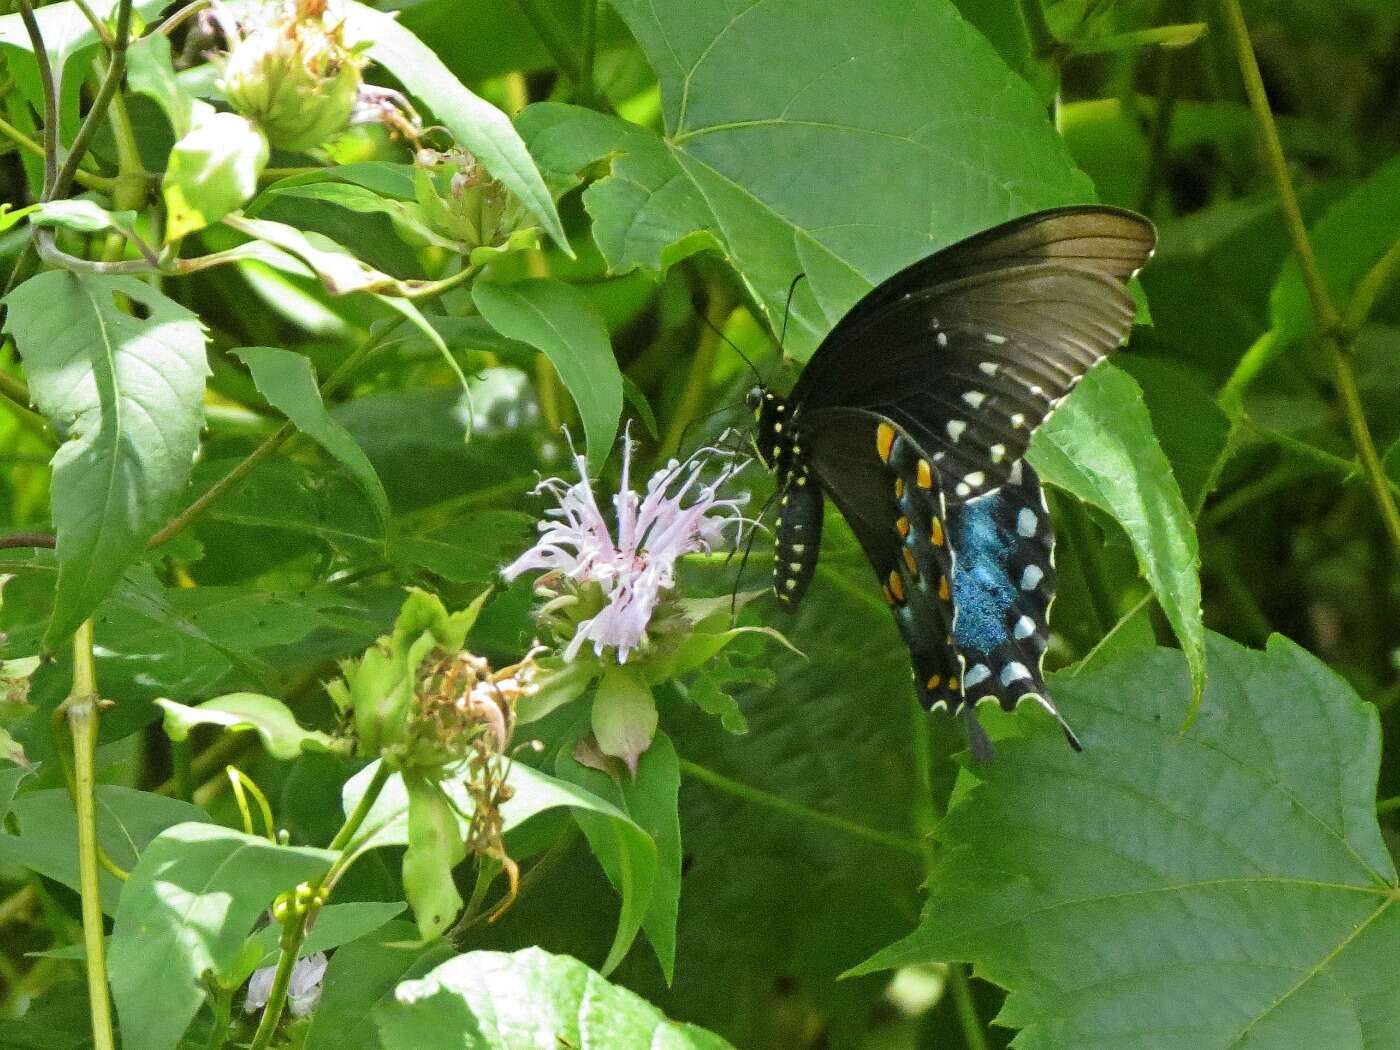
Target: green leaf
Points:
(1099, 446)
(624, 716)
(853, 155)
(1224, 887)
(286, 380)
(83, 216)
(363, 974)
(487, 1000)
(150, 71)
(129, 391)
(477, 125)
(336, 924)
(213, 170)
(646, 212)
(11, 216)
(127, 820)
(1348, 240)
(650, 797)
(435, 847)
(186, 910)
(365, 201)
(275, 725)
(386, 824)
(558, 319)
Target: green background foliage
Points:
(248, 397)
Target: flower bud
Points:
(293, 76)
(462, 201)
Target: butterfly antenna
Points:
(787, 310)
(744, 561)
(733, 345)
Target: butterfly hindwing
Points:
(1003, 586)
(890, 493)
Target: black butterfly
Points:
(914, 415)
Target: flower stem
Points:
(293, 932)
(961, 983)
(98, 112)
(50, 90)
(81, 708)
(299, 919)
(795, 809)
(701, 366)
(1325, 316)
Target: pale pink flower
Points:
(303, 989)
(635, 565)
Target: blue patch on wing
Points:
(984, 590)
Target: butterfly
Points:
(913, 417)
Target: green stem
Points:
(801, 812)
(293, 932)
(556, 41)
(1325, 314)
(82, 712)
(961, 984)
(87, 179)
(362, 808)
(223, 1008)
(1388, 805)
(1254, 360)
(50, 90)
(1370, 287)
(110, 83)
(590, 47)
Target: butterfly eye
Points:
(754, 398)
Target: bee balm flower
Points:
(626, 571)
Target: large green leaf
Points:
(1227, 887)
(363, 974)
(128, 390)
(289, 385)
(838, 139)
(523, 1001)
(1100, 447)
(127, 820)
(275, 725)
(185, 911)
(650, 798)
(387, 824)
(476, 124)
(213, 170)
(558, 319)
(646, 213)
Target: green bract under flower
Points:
(462, 201)
(291, 74)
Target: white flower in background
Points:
(635, 565)
(303, 990)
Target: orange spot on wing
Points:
(925, 475)
(936, 533)
(934, 681)
(902, 524)
(943, 588)
(909, 560)
(896, 586)
(884, 441)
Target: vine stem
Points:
(795, 809)
(81, 708)
(116, 69)
(1325, 315)
(50, 90)
(299, 919)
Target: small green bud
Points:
(293, 76)
(462, 201)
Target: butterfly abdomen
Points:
(799, 535)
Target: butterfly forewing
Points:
(973, 348)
